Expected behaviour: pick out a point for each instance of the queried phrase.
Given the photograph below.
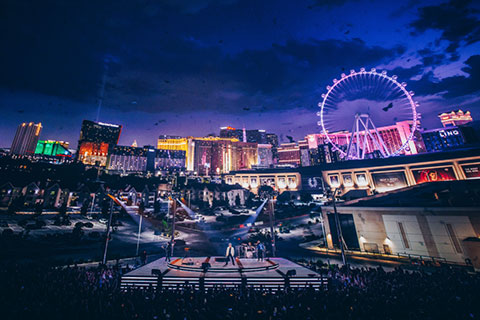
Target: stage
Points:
(209, 272)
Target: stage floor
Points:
(271, 273)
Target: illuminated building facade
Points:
(394, 137)
(272, 139)
(289, 154)
(455, 118)
(304, 153)
(147, 159)
(258, 136)
(53, 148)
(265, 155)
(26, 138)
(252, 136)
(97, 140)
(176, 143)
(212, 155)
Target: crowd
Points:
(37, 292)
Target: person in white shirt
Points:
(230, 254)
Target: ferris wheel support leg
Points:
(357, 145)
(387, 153)
(365, 143)
(352, 137)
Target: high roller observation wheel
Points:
(382, 75)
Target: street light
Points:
(339, 228)
(108, 231)
(272, 222)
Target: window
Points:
(403, 235)
(453, 238)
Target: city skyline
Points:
(171, 70)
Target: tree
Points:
(156, 207)
(306, 197)
(38, 208)
(284, 197)
(238, 202)
(11, 209)
(265, 191)
(84, 208)
(249, 201)
(62, 211)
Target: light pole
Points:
(108, 232)
(139, 231)
(339, 227)
(172, 238)
(272, 224)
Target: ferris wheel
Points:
(374, 102)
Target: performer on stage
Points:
(260, 251)
(230, 254)
(250, 250)
(143, 257)
(168, 250)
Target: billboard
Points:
(334, 181)
(361, 178)
(472, 171)
(387, 181)
(434, 174)
(312, 183)
(347, 180)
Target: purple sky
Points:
(188, 69)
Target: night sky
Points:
(188, 69)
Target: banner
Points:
(361, 178)
(387, 181)
(472, 171)
(435, 174)
(334, 181)
(312, 183)
(347, 180)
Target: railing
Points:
(411, 257)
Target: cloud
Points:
(279, 77)
(456, 20)
(451, 87)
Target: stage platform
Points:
(209, 272)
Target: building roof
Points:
(461, 193)
(353, 164)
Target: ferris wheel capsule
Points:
(328, 88)
(412, 93)
(343, 75)
(404, 84)
(384, 73)
(362, 69)
(319, 113)
(320, 104)
(352, 71)
(335, 80)
(394, 77)
(373, 70)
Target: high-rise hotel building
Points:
(26, 138)
(212, 155)
(97, 140)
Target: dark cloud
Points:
(456, 20)
(451, 87)
(279, 76)
(431, 58)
